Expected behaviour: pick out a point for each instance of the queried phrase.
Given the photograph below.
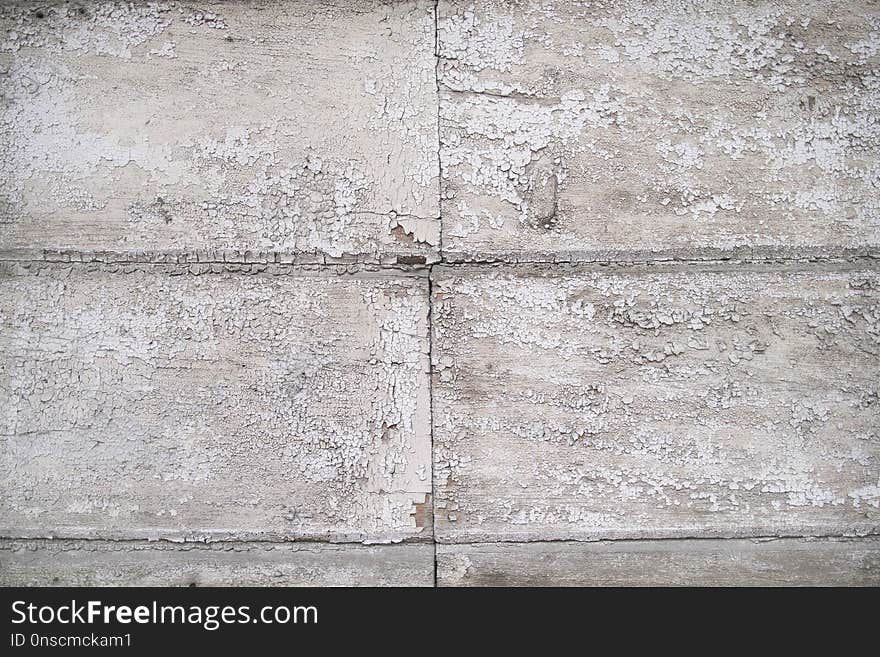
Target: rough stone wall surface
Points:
(453, 293)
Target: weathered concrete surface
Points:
(211, 328)
(135, 563)
(729, 562)
(572, 130)
(137, 403)
(297, 127)
(571, 404)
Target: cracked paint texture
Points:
(582, 405)
(305, 128)
(571, 129)
(141, 404)
(237, 348)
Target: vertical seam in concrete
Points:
(431, 284)
(439, 157)
(431, 414)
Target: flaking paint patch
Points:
(580, 405)
(210, 179)
(139, 404)
(163, 125)
(673, 125)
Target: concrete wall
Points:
(460, 293)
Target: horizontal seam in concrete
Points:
(243, 269)
(341, 268)
(186, 261)
(647, 266)
(663, 539)
(769, 254)
(208, 541)
(409, 542)
(219, 542)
